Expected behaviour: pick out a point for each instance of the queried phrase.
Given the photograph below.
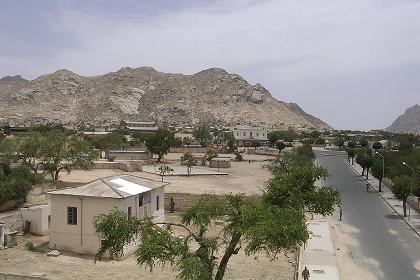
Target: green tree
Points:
(230, 140)
(202, 134)
(361, 160)
(273, 137)
(377, 171)
(363, 142)
(160, 142)
(210, 154)
(280, 146)
(113, 140)
(28, 149)
(368, 164)
(189, 160)
(61, 152)
(377, 146)
(320, 141)
(351, 153)
(401, 188)
(163, 169)
(351, 144)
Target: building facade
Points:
(246, 134)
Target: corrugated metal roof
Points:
(107, 187)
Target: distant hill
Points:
(210, 96)
(408, 122)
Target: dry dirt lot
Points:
(243, 177)
(73, 266)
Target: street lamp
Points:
(411, 187)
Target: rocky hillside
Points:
(408, 122)
(210, 96)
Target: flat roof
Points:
(119, 186)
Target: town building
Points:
(245, 134)
(73, 210)
(139, 126)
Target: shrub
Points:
(30, 246)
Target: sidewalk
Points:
(319, 253)
(413, 221)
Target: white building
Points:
(73, 209)
(139, 126)
(245, 134)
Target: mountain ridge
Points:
(209, 96)
(407, 122)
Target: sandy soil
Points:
(351, 264)
(73, 266)
(247, 177)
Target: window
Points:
(157, 203)
(144, 199)
(129, 211)
(244, 133)
(258, 134)
(250, 134)
(72, 215)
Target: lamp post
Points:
(383, 170)
(411, 187)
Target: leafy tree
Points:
(113, 140)
(210, 154)
(339, 141)
(187, 141)
(238, 156)
(160, 142)
(406, 145)
(368, 164)
(280, 146)
(28, 150)
(202, 134)
(351, 153)
(273, 137)
(320, 141)
(361, 160)
(377, 171)
(401, 188)
(189, 160)
(61, 152)
(377, 146)
(163, 169)
(16, 182)
(351, 144)
(363, 142)
(230, 140)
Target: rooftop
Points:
(119, 186)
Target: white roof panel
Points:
(129, 187)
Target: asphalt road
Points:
(383, 236)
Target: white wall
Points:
(81, 238)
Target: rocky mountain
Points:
(408, 122)
(210, 96)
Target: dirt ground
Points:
(74, 266)
(243, 177)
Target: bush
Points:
(30, 246)
(111, 159)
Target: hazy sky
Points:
(355, 64)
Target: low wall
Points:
(268, 152)
(128, 155)
(10, 276)
(129, 166)
(183, 201)
(198, 150)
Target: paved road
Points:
(383, 237)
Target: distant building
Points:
(246, 134)
(73, 209)
(139, 126)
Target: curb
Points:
(387, 202)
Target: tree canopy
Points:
(160, 142)
(202, 134)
